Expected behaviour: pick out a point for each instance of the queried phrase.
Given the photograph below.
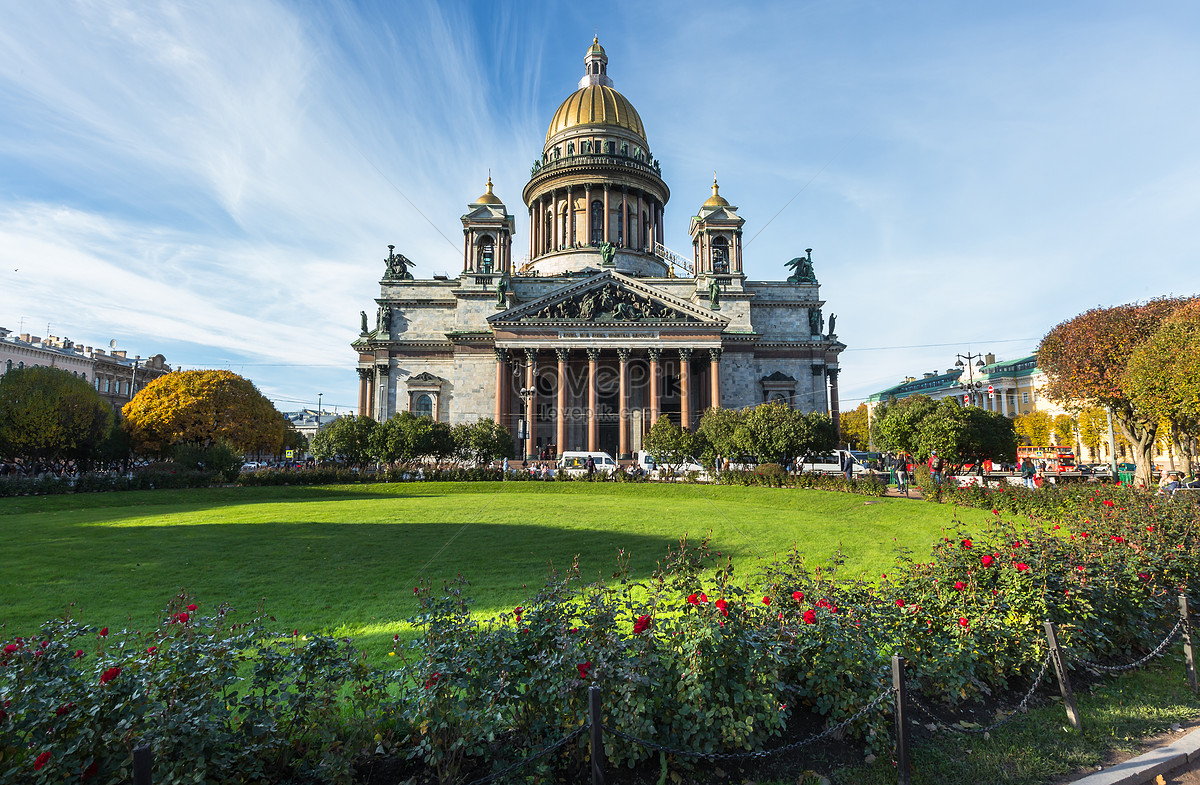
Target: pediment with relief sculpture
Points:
(608, 298)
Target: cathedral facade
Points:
(583, 342)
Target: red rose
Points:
(78, 654)
(1022, 566)
(432, 680)
(583, 669)
(703, 596)
(797, 596)
(152, 649)
(899, 603)
(960, 585)
(966, 543)
(1144, 576)
(1150, 528)
(995, 512)
(766, 600)
(183, 618)
(104, 632)
(1118, 539)
(962, 622)
(517, 611)
(1108, 502)
(192, 607)
(693, 599)
(63, 709)
(41, 761)
(641, 625)
(110, 674)
(810, 616)
(986, 561)
(11, 648)
(723, 607)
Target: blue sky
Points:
(218, 181)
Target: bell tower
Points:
(487, 236)
(717, 236)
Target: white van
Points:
(575, 463)
(831, 463)
(658, 470)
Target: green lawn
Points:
(344, 559)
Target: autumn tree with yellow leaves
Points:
(203, 408)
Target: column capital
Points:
(531, 355)
(832, 372)
(714, 355)
(563, 353)
(501, 354)
(655, 354)
(593, 354)
(623, 353)
(685, 354)
(365, 373)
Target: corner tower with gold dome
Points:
(598, 330)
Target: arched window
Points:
(485, 251)
(21, 365)
(720, 255)
(8, 366)
(423, 407)
(548, 226)
(564, 225)
(597, 222)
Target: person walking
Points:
(1028, 472)
(902, 473)
(935, 468)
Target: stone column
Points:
(623, 406)
(364, 387)
(593, 426)
(607, 216)
(370, 410)
(531, 406)
(555, 224)
(381, 402)
(466, 251)
(532, 231)
(500, 358)
(561, 435)
(738, 244)
(1003, 401)
(655, 355)
(833, 405)
(570, 217)
(714, 356)
(625, 239)
(685, 400)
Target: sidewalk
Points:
(1176, 763)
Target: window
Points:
(1024, 397)
(486, 253)
(21, 365)
(597, 222)
(8, 366)
(423, 406)
(107, 385)
(97, 384)
(621, 225)
(720, 255)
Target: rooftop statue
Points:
(397, 265)
(802, 268)
(714, 294)
(501, 290)
(364, 321)
(815, 322)
(832, 322)
(607, 252)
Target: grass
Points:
(1041, 747)
(344, 559)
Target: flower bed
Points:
(695, 658)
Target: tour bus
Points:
(1058, 459)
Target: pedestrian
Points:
(591, 466)
(901, 466)
(1028, 472)
(848, 464)
(935, 468)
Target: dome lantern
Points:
(716, 200)
(595, 66)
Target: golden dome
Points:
(716, 200)
(489, 197)
(595, 48)
(596, 105)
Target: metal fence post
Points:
(596, 725)
(1189, 660)
(1064, 682)
(143, 761)
(901, 698)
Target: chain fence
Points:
(1157, 652)
(756, 754)
(534, 757)
(1021, 708)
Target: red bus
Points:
(1058, 459)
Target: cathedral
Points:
(586, 340)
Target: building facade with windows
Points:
(597, 329)
(1011, 387)
(115, 375)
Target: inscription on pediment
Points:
(608, 303)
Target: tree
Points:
(407, 438)
(346, 439)
(1034, 427)
(50, 415)
(1162, 378)
(293, 439)
(718, 428)
(670, 444)
(897, 424)
(203, 407)
(774, 432)
(1085, 360)
(482, 441)
(855, 429)
(1064, 430)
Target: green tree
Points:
(855, 430)
(773, 433)
(407, 438)
(1085, 360)
(669, 444)
(482, 441)
(718, 428)
(1163, 378)
(897, 424)
(50, 415)
(346, 439)
(1064, 430)
(1093, 430)
(1034, 428)
(203, 407)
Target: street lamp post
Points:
(525, 430)
(971, 385)
(319, 397)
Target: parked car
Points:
(574, 463)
